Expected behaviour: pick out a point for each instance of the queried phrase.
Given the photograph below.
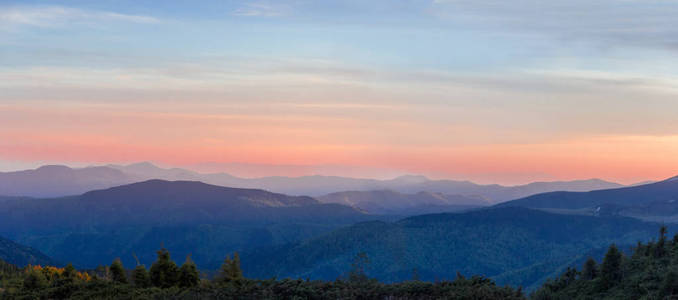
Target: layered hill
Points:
(187, 217)
(55, 181)
(395, 203)
(656, 201)
(514, 245)
(158, 202)
(21, 255)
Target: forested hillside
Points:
(167, 280)
(21, 255)
(517, 246)
(655, 202)
(649, 272)
(186, 217)
(386, 202)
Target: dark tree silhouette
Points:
(610, 270)
(230, 270)
(140, 277)
(118, 274)
(188, 274)
(164, 272)
(590, 269)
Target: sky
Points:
(491, 91)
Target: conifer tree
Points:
(69, 272)
(34, 280)
(230, 270)
(610, 270)
(188, 274)
(118, 274)
(358, 266)
(140, 277)
(590, 269)
(669, 284)
(164, 272)
(659, 250)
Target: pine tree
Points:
(140, 277)
(69, 272)
(610, 270)
(669, 285)
(188, 274)
(590, 269)
(164, 272)
(358, 266)
(415, 275)
(659, 250)
(35, 280)
(230, 270)
(118, 274)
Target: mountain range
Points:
(57, 181)
(652, 202)
(21, 255)
(387, 202)
(520, 242)
(187, 217)
(513, 245)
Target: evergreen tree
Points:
(659, 250)
(230, 270)
(610, 270)
(648, 248)
(188, 274)
(669, 285)
(118, 274)
(69, 272)
(140, 277)
(358, 266)
(415, 275)
(34, 280)
(590, 269)
(164, 272)
(569, 276)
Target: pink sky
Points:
(447, 89)
(101, 135)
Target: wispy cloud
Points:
(260, 9)
(49, 16)
(607, 22)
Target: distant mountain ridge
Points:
(21, 255)
(391, 202)
(188, 217)
(655, 201)
(55, 181)
(158, 202)
(63, 181)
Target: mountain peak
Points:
(412, 178)
(53, 168)
(143, 164)
(196, 192)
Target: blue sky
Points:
(524, 83)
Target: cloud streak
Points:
(260, 9)
(650, 23)
(51, 16)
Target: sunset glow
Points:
(94, 83)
